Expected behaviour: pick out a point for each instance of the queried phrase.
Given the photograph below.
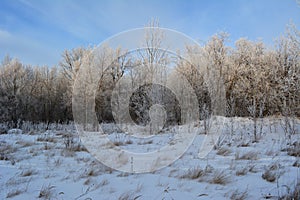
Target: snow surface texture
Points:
(53, 164)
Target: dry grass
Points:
(126, 196)
(269, 175)
(296, 163)
(14, 192)
(293, 193)
(139, 187)
(72, 143)
(242, 171)
(129, 195)
(250, 155)
(68, 153)
(28, 172)
(220, 177)
(46, 192)
(145, 142)
(272, 172)
(32, 132)
(238, 195)
(15, 181)
(33, 151)
(122, 143)
(244, 144)
(193, 173)
(123, 174)
(274, 166)
(57, 162)
(88, 181)
(209, 169)
(7, 148)
(118, 143)
(271, 152)
(7, 151)
(224, 151)
(21, 185)
(104, 182)
(92, 171)
(46, 138)
(294, 150)
(25, 143)
(77, 148)
(252, 168)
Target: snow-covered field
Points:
(52, 164)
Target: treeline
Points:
(37, 94)
(258, 81)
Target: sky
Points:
(38, 31)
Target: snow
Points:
(15, 131)
(40, 164)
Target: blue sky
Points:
(38, 31)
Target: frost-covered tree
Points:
(13, 81)
(288, 70)
(257, 81)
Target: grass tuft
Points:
(193, 173)
(46, 192)
(28, 172)
(220, 177)
(242, 171)
(238, 195)
(223, 151)
(14, 193)
(269, 176)
(251, 155)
